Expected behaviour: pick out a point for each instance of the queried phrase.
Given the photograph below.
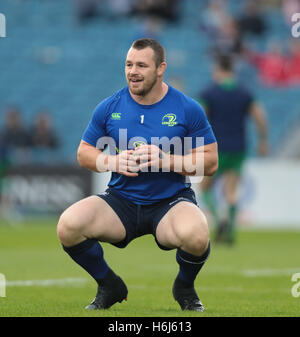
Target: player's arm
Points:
(258, 115)
(95, 160)
(201, 161)
(87, 156)
(90, 156)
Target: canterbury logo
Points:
(116, 115)
(169, 119)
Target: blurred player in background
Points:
(158, 202)
(228, 105)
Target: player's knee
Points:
(67, 227)
(195, 240)
(199, 244)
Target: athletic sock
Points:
(190, 265)
(232, 217)
(89, 255)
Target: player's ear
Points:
(161, 68)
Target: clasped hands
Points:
(130, 162)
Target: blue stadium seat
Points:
(85, 65)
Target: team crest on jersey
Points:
(169, 119)
(138, 143)
(116, 116)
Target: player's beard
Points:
(146, 87)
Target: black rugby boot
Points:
(186, 296)
(111, 290)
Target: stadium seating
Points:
(49, 61)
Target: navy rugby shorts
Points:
(140, 220)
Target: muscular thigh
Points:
(95, 219)
(182, 223)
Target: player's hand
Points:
(124, 163)
(150, 156)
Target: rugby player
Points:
(228, 105)
(148, 192)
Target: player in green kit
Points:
(228, 105)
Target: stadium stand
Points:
(50, 61)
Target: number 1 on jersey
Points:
(142, 119)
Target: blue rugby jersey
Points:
(119, 116)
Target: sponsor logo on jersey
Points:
(169, 119)
(138, 143)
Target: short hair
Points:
(225, 62)
(158, 49)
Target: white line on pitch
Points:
(269, 272)
(253, 272)
(46, 283)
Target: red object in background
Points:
(276, 68)
(271, 66)
(293, 69)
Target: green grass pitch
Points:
(253, 278)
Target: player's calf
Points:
(183, 288)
